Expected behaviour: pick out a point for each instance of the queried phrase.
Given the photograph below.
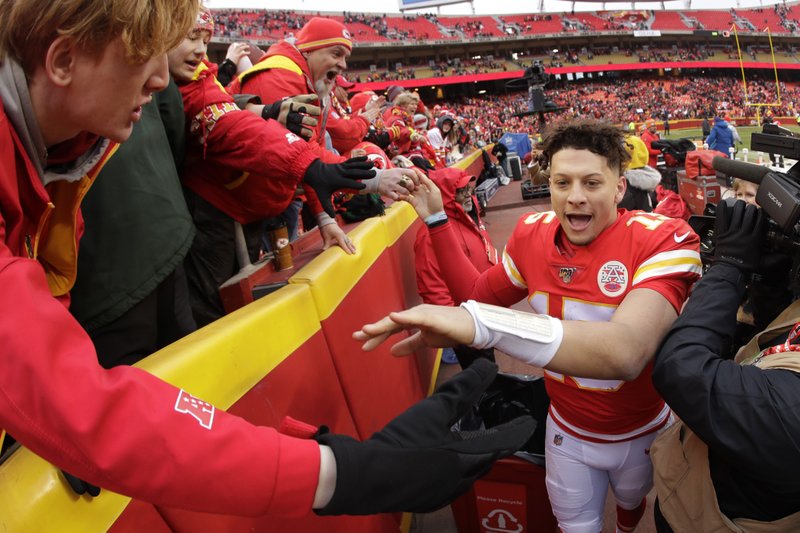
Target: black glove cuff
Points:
(313, 170)
(272, 111)
(346, 491)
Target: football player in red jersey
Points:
(606, 284)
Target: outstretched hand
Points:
(398, 183)
(416, 463)
(297, 114)
(427, 198)
(439, 327)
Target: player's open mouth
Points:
(331, 75)
(579, 222)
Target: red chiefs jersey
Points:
(639, 250)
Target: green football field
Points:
(744, 132)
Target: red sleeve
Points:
(346, 132)
(240, 139)
(674, 265)
(274, 84)
(648, 140)
(120, 429)
(464, 280)
(247, 142)
(430, 285)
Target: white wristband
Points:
(324, 219)
(372, 184)
(533, 339)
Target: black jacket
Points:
(748, 417)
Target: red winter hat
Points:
(321, 33)
(344, 83)
(360, 100)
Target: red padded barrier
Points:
(139, 516)
(304, 386)
(377, 385)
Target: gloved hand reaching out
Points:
(326, 178)
(416, 463)
(296, 114)
(740, 229)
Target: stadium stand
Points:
(715, 20)
(669, 20)
(417, 28)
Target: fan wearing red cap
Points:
(341, 100)
(310, 62)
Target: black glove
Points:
(326, 179)
(80, 486)
(296, 114)
(421, 162)
(416, 463)
(740, 229)
(380, 139)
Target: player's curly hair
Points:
(597, 136)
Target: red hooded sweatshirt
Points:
(472, 236)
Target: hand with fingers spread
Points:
(427, 198)
(236, 51)
(327, 178)
(398, 183)
(439, 327)
(370, 113)
(297, 114)
(333, 234)
(416, 463)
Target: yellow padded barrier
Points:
(243, 346)
(471, 158)
(399, 217)
(333, 274)
(33, 498)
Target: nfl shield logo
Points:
(558, 439)
(566, 273)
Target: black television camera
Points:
(778, 193)
(534, 79)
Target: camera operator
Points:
(731, 464)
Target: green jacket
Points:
(138, 228)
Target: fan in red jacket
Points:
(240, 167)
(460, 205)
(457, 189)
(310, 64)
(124, 429)
(649, 135)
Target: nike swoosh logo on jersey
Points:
(680, 238)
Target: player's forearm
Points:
(600, 350)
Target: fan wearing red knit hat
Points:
(310, 63)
